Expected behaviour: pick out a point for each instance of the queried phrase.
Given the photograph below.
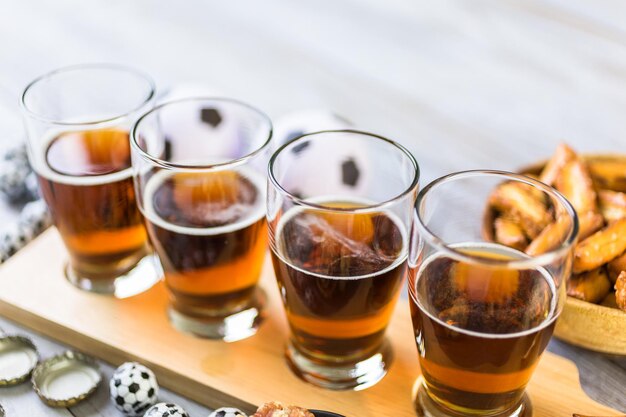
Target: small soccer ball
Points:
(134, 388)
(166, 410)
(228, 412)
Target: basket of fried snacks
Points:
(594, 315)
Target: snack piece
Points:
(516, 202)
(166, 409)
(576, 185)
(609, 173)
(133, 389)
(612, 205)
(616, 266)
(620, 291)
(601, 247)
(521, 216)
(537, 193)
(589, 223)
(549, 238)
(592, 286)
(228, 412)
(561, 157)
(509, 233)
(276, 409)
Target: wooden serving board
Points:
(34, 293)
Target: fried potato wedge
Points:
(609, 173)
(516, 202)
(575, 183)
(612, 205)
(550, 237)
(616, 266)
(537, 194)
(601, 247)
(620, 291)
(589, 223)
(561, 157)
(509, 233)
(592, 286)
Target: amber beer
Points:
(87, 183)
(210, 233)
(339, 275)
(480, 330)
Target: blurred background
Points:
(463, 84)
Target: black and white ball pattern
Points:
(18, 184)
(134, 389)
(228, 412)
(34, 219)
(292, 125)
(32, 186)
(166, 410)
(14, 173)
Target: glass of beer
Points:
(78, 121)
(200, 173)
(483, 312)
(340, 206)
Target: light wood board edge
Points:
(551, 365)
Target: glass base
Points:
(336, 376)
(138, 279)
(425, 406)
(229, 328)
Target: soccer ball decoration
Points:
(33, 220)
(292, 125)
(166, 410)
(228, 412)
(134, 389)
(205, 124)
(14, 170)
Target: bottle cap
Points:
(18, 358)
(67, 379)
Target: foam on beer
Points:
(153, 184)
(285, 218)
(41, 167)
(487, 248)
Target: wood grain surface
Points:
(463, 84)
(245, 373)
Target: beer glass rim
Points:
(530, 262)
(199, 167)
(87, 67)
(365, 208)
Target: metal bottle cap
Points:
(18, 358)
(67, 379)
